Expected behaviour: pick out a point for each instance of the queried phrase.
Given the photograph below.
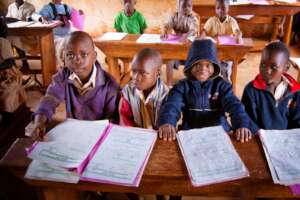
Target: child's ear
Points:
(95, 56)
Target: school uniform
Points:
(214, 27)
(138, 111)
(203, 104)
(95, 101)
(134, 24)
(268, 111)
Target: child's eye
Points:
(84, 55)
(274, 67)
(70, 56)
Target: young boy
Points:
(141, 99)
(22, 10)
(222, 24)
(130, 20)
(185, 22)
(89, 92)
(272, 99)
(203, 97)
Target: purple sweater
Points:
(96, 104)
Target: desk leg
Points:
(288, 30)
(60, 194)
(234, 75)
(113, 68)
(48, 58)
(126, 75)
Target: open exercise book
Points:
(210, 156)
(93, 151)
(282, 152)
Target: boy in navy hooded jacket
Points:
(203, 97)
(272, 99)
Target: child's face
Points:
(222, 9)
(19, 2)
(144, 74)
(185, 7)
(57, 1)
(202, 70)
(128, 7)
(272, 66)
(80, 57)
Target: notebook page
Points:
(210, 156)
(121, 157)
(69, 143)
(42, 171)
(284, 152)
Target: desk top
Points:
(128, 47)
(166, 173)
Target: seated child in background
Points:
(22, 10)
(130, 20)
(222, 24)
(272, 99)
(185, 22)
(12, 94)
(88, 91)
(56, 10)
(142, 97)
(203, 97)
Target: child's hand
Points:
(45, 20)
(202, 35)
(183, 38)
(243, 134)
(81, 12)
(238, 37)
(167, 132)
(38, 128)
(164, 36)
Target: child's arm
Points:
(126, 114)
(142, 23)
(170, 112)
(294, 117)
(117, 22)
(239, 118)
(236, 31)
(167, 27)
(38, 129)
(111, 103)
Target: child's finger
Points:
(174, 134)
(170, 134)
(238, 135)
(160, 133)
(165, 135)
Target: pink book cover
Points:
(138, 177)
(172, 39)
(77, 19)
(295, 189)
(228, 40)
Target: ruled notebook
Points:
(210, 156)
(92, 151)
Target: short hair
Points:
(223, 1)
(133, 2)
(277, 47)
(149, 53)
(78, 35)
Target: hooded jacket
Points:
(203, 104)
(266, 112)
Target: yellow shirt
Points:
(215, 27)
(21, 13)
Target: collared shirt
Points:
(83, 88)
(21, 13)
(183, 23)
(281, 88)
(215, 27)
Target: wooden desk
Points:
(47, 48)
(207, 8)
(127, 48)
(165, 173)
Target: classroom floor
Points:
(247, 70)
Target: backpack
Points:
(54, 10)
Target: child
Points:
(130, 20)
(12, 94)
(222, 24)
(89, 92)
(203, 97)
(141, 99)
(22, 10)
(185, 22)
(272, 99)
